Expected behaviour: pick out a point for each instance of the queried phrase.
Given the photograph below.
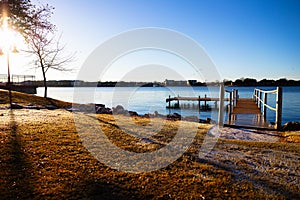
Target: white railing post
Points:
(279, 108)
(260, 99)
(265, 106)
(234, 97)
(221, 106)
(230, 106)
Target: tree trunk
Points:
(45, 82)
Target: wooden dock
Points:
(198, 99)
(242, 112)
(193, 99)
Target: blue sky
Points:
(244, 38)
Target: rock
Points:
(103, 110)
(99, 105)
(291, 126)
(100, 109)
(133, 113)
(119, 110)
(174, 116)
(146, 116)
(16, 106)
(177, 115)
(51, 107)
(202, 121)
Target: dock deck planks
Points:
(246, 106)
(247, 114)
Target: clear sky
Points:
(244, 38)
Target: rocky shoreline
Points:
(120, 110)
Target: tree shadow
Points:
(241, 174)
(100, 189)
(17, 174)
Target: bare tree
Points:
(44, 44)
(33, 22)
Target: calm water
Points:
(147, 100)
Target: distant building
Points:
(175, 83)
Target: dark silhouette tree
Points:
(250, 82)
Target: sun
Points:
(11, 42)
(9, 38)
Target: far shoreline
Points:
(243, 82)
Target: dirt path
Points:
(245, 134)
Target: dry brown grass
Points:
(291, 136)
(42, 157)
(26, 99)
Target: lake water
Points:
(149, 99)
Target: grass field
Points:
(42, 156)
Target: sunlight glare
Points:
(11, 42)
(9, 39)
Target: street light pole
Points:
(9, 85)
(8, 80)
(8, 68)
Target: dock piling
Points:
(221, 106)
(279, 108)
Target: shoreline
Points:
(142, 104)
(28, 101)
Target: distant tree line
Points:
(263, 82)
(238, 82)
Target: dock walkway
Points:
(252, 113)
(246, 106)
(247, 114)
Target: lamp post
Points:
(9, 84)
(8, 65)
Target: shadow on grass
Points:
(17, 170)
(97, 189)
(255, 178)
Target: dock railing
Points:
(233, 97)
(261, 99)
